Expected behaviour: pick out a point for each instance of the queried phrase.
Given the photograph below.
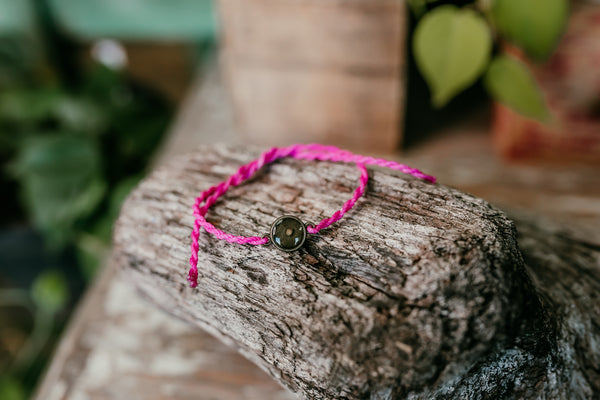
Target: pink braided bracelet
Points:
(287, 233)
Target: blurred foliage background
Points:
(80, 119)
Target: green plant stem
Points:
(418, 7)
(484, 6)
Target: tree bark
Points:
(419, 292)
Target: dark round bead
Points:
(288, 233)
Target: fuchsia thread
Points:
(298, 151)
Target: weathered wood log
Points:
(419, 292)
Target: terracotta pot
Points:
(313, 70)
(570, 81)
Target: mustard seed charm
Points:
(288, 233)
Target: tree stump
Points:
(419, 292)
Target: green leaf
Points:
(61, 182)
(80, 114)
(533, 25)
(57, 153)
(50, 291)
(452, 47)
(11, 389)
(511, 83)
(93, 246)
(28, 107)
(53, 106)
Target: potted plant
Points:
(453, 48)
(542, 104)
(570, 83)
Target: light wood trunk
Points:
(316, 71)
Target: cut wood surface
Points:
(419, 291)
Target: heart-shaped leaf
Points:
(510, 82)
(533, 25)
(452, 48)
(61, 182)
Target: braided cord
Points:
(298, 151)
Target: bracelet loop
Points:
(284, 237)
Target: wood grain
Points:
(325, 71)
(421, 291)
